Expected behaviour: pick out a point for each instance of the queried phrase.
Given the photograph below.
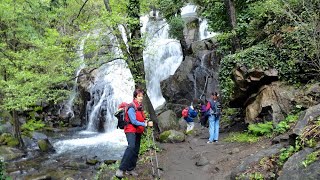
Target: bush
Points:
(261, 129)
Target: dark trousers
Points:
(130, 156)
(204, 121)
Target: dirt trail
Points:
(178, 161)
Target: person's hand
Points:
(150, 123)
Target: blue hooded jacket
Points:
(191, 114)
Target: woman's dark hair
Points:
(136, 92)
(214, 94)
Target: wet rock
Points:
(9, 153)
(107, 162)
(92, 161)
(6, 128)
(38, 136)
(45, 145)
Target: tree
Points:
(133, 49)
(35, 56)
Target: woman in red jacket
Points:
(133, 131)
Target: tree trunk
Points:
(16, 127)
(134, 56)
(231, 10)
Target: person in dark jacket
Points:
(214, 108)
(133, 131)
(204, 115)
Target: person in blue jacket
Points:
(192, 113)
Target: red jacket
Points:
(140, 116)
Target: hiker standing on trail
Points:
(192, 113)
(133, 131)
(214, 109)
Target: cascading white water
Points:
(67, 108)
(114, 84)
(162, 57)
(203, 30)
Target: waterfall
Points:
(203, 30)
(162, 57)
(67, 108)
(113, 84)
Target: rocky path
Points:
(196, 160)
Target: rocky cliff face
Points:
(196, 77)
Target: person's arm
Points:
(208, 106)
(132, 117)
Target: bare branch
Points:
(80, 10)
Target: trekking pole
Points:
(150, 153)
(155, 154)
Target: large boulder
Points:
(167, 120)
(271, 102)
(248, 82)
(309, 115)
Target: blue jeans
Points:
(213, 128)
(130, 156)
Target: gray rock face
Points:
(294, 169)
(254, 159)
(196, 77)
(310, 115)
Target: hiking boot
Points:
(119, 173)
(209, 142)
(132, 173)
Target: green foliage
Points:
(32, 125)
(3, 175)
(272, 34)
(312, 157)
(34, 54)
(285, 153)
(241, 137)
(176, 25)
(147, 142)
(169, 8)
(261, 129)
(284, 125)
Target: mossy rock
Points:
(163, 136)
(172, 136)
(45, 146)
(12, 142)
(8, 139)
